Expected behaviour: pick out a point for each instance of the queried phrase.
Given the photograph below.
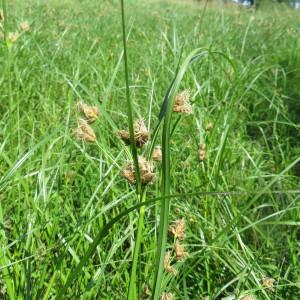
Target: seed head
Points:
(205, 298)
(141, 134)
(178, 229)
(84, 131)
(202, 152)
(13, 36)
(268, 283)
(146, 292)
(209, 126)
(25, 27)
(179, 250)
(91, 113)
(157, 155)
(182, 103)
(248, 297)
(167, 296)
(146, 171)
(167, 263)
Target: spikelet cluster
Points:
(1, 16)
(24, 26)
(202, 152)
(177, 229)
(84, 131)
(141, 134)
(268, 283)
(157, 155)
(91, 113)
(248, 297)
(167, 263)
(182, 103)
(167, 296)
(146, 171)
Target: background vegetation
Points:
(57, 192)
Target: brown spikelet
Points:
(202, 152)
(13, 36)
(167, 296)
(209, 126)
(141, 134)
(177, 229)
(167, 263)
(146, 292)
(268, 283)
(157, 155)
(179, 250)
(182, 103)
(91, 113)
(248, 297)
(146, 171)
(84, 131)
(25, 27)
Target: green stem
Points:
(132, 291)
(129, 106)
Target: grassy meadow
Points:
(71, 225)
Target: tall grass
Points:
(72, 227)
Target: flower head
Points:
(248, 297)
(268, 283)
(146, 171)
(157, 155)
(141, 134)
(25, 27)
(84, 131)
(209, 126)
(13, 36)
(167, 263)
(177, 229)
(182, 103)
(167, 296)
(179, 250)
(202, 152)
(91, 113)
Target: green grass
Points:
(68, 220)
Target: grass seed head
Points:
(91, 113)
(146, 292)
(146, 171)
(141, 134)
(25, 27)
(248, 297)
(268, 283)
(182, 103)
(179, 250)
(177, 229)
(84, 131)
(209, 126)
(157, 155)
(167, 296)
(202, 152)
(167, 263)
(13, 36)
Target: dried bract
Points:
(167, 263)
(182, 103)
(91, 113)
(178, 229)
(25, 27)
(146, 292)
(179, 250)
(141, 134)
(167, 296)
(157, 155)
(146, 171)
(84, 131)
